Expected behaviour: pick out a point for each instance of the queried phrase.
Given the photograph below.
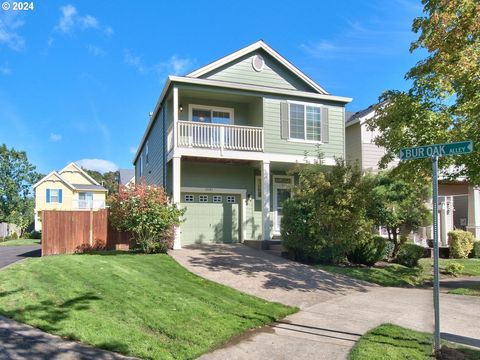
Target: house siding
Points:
(372, 153)
(353, 144)
(273, 74)
(275, 144)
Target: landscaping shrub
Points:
(14, 236)
(461, 243)
(368, 252)
(35, 235)
(475, 253)
(409, 254)
(453, 269)
(146, 212)
(326, 217)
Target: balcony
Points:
(216, 136)
(88, 204)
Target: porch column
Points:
(176, 184)
(443, 221)
(474, 211)
(266, 227)
(175, 117)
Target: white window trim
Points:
(188, 201)
(57, 196)
(231, 197)
(258, 196)
(203, 196)
(231, 111)
(217, 199)
(305, 104)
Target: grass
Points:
(396, 343)
(146, 306)
(401, 276)
(20, 242)
(474, 291)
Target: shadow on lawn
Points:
(19, 341)
(47, 314)
(278, 272)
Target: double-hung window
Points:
(305, 122)
(54, 195)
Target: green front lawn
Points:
(146, 306)
(396, 343)
(401, 276)
(20, 242)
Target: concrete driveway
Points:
(335, 310)
(12, 254)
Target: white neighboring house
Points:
(459, 201)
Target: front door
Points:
(282, 190)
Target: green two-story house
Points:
(222, 139)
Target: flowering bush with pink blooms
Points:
(146, 212)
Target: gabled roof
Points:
(356, 117)
(126, 175)
(81, 171)
(253, 47)
(57, 175)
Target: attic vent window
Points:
(258, 63)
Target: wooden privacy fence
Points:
(66, 232)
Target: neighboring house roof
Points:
(348, 115)
(94, 186)
(126, 175)
(355, 117)
(194, 78)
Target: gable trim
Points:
(54, 173)
(81, 171)
(255, 46)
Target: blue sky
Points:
(78, 78)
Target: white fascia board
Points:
(54, 173)
(81, 170)
(259, 89)
(246, 155)
(248, 49)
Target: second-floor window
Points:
(305, 122)
(54, 196)
(211, 114)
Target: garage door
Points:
(210, 218)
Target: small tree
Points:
(146, 212)
(327, 215)
(396, 204)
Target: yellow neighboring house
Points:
(69, 189)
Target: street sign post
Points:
(434, 152)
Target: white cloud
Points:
(55, 137)
(100, 165)
(67, 20)
(88, 21)
(9, 25)
(5, 69)
(95, 50)
(134, 60)
(174, 66)
(70, 18)
(133, 150)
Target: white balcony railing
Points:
(217, 136)
(88, 204)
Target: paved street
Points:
(12, 254)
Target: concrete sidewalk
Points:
(335, 310)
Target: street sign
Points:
(434, 152)
(438, 150)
